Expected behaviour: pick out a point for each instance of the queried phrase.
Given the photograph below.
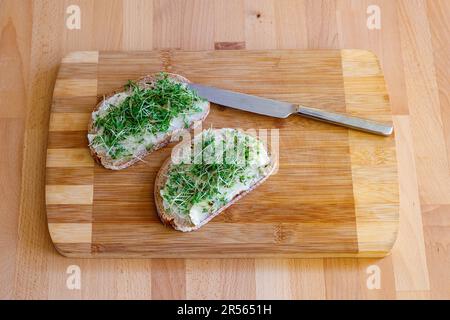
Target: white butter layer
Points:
(198, 212)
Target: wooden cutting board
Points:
(335, 192)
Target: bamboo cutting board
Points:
(335, 192)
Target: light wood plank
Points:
(385, 42)
(134, 280)
(102, 279)
(80, 57)
(431, 159)
(11, 131)
(220, 279)
(343, 280)
(70, 232)
(15, 28)
(137, 25)
(290, 20)
(413, 295)
(64, 194)
(107, 24)
(259, 21)
(69, 121)
(75, 88)
(360, 63)
(34, 244)
(378, 188)
(168, 279)
(408, 255)
(272, 279)
(229, 21)
(307, 279)
(322, 29)
(168, 23)
(15, 45)
(438, 13)
(63, 158)
(436, 221)
(198, 15)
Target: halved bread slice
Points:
(256, 170)
(141, 144)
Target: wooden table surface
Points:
(414, 48)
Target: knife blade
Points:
(244, 101)
(281, 109)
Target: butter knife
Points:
(280, 109)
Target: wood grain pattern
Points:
(69, 194)
(409, 260)
(64, 88)
(345, 183)
(439, 24)
(80, 57)
(9, 149)
(221, 278)
(15, 40)
(34, 243)
(75, 157)
(375, 191)
(68, 121)
(424, 104)
(70, 232)
(34, 40)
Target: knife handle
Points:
(383, 129)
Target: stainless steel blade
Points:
(244, 101)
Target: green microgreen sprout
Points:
(146, 110)
(203, 181)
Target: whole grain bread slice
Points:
(101, 156)
(185, 225)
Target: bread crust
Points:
(182, 224)
(103, 159)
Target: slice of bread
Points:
(159, 140)
(184, 223)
